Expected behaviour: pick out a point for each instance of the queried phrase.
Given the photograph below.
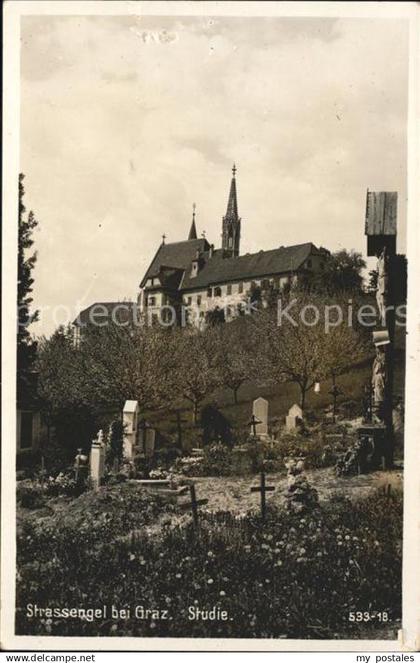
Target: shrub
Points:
(64, 484)
(30, 495)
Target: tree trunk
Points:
(195, 413)
(235, 395)
(302, 397)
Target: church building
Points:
(195, 274)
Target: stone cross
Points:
(260, 411)
(130, 423)
(97, 460)
(263, 489)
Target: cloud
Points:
(128, 120)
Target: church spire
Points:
(231, 234)
(193, 229)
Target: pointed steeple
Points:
(193, 229)
(231, 234)
(232, 206)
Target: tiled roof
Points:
(219, 269)
(100, 311)
(176, 254)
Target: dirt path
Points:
(233, 493)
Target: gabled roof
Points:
(219, 269)
(100, 311)
(176, 255)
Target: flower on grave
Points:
(210, 581)
(222, 593)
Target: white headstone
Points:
(130, 422)
(260, 411)
(97, 460)
(294, 417)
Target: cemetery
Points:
(154, 483)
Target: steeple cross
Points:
(163, 239)
(234, 170)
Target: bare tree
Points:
(196, 357)
(301, 350)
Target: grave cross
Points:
(263, 489)
(254, 422)
(179, 421)
(335, 393)
(194, 504)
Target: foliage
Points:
(30, 494)
(214, 425)
(295, 577)
(298, 348)
(195, 357)
(234, 364)
(342, 273)
(116, 436)
(26, 346)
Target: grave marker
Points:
(194, 504)
(130, 423)
(260, 411)
(263, 489)
(294, 417)
(97, 460)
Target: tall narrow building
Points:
(231, 235)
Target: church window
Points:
(209, 292)
(240, 287)
(229, 289)
(230, 242)
(198, 300)
(189, 301)
(151, 301)
(265, 283)
(218, 292)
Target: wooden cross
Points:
(335, 392)
(254, 422)
(179, 421)
(263, 489)
(194, 504)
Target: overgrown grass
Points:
(293, 576)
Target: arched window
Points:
(218, 292)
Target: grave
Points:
(260, 413)
(97, 460)
(130, 423)
(294, 418)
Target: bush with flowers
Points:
(298, 575)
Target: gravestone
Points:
(294, 417)
(97, 460)
(260, 412)
(130, 423)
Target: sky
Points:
(126, 121)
